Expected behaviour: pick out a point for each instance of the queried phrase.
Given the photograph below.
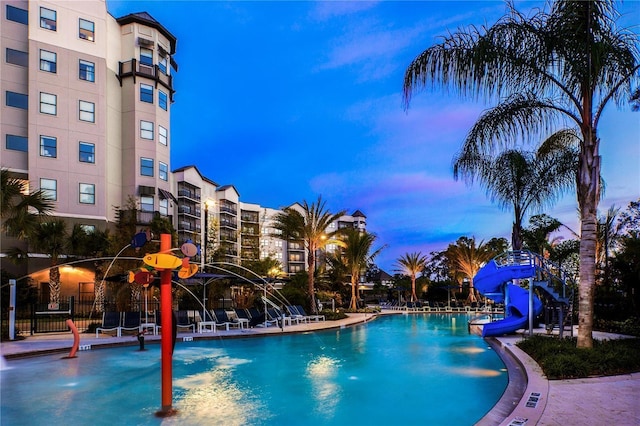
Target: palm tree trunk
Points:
(413, 289)
(98, 285)
(354, 294)
(311, 262)
(588, 185)
(54, 285)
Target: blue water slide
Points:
(492, 282)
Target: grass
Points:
(561, 359)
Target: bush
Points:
(561, 359)
(333, 316)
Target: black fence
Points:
(52, 318)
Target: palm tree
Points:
(309, 226)
(51, 238)
(413, 264)
(466, 259)
(356, 252)
(561, 66)
(21, 210)
(523, 180)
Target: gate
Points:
(51, 317)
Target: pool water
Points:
(399, 369)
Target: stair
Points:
(544, 285)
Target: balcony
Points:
(193, 195)
(133, 68)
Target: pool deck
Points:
(592, 401)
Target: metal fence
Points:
(51, 318)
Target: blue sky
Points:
(291, 100)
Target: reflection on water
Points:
(322, 371)
(475, 372)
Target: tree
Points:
(562, 66)
(357, 256)
(523, 180)
(465, 260)
(536, 236)
(309, 226)
(412, 264)
(50, 238)
(21, 211)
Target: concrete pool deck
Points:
(538, 401)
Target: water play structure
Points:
(497, 281)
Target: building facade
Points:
(86, 117)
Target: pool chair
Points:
(222, 319)
(275, 317)
(310, 317)
(183, 321)
(243, 316)
(130, 322)
(257, 317)
(110, 322)
(296, 315)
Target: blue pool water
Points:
(399, 369)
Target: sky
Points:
(288, 101)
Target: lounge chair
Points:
(222, 319)
(257, 317)
(183, 321)
(310, 317)
(296, 315)
(243, 316)
(130, 322)
(276, 317)
(110, 322)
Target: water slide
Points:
(490, 282)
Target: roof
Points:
(225, 187)
(191, 166)
(358, 213)
(146, 19)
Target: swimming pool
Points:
(399, 369)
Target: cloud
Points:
(326, 10)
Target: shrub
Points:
(561, 359)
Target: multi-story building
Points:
(86, 101)
(85, 116)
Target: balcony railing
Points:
(133, 68)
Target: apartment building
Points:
(86, 101)
(86, 117)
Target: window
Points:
(162, 135)
(48, 103)
(89, 229)
(146, 93)
(162, 100)
(18, 15)
(17, 100)
(87, 193)
(48, 146)
(48, 61)
(146, 56)
(87, 111)
(17, 143)
(48, 19)
(17, 57)
(49, 188)
(163, 207)
(163, 171)
(87, 71)
(87, 152)
(86, 30)
(146, 204)
(146, 166)
(162, 63)
(146, 130)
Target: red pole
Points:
(166, 342)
